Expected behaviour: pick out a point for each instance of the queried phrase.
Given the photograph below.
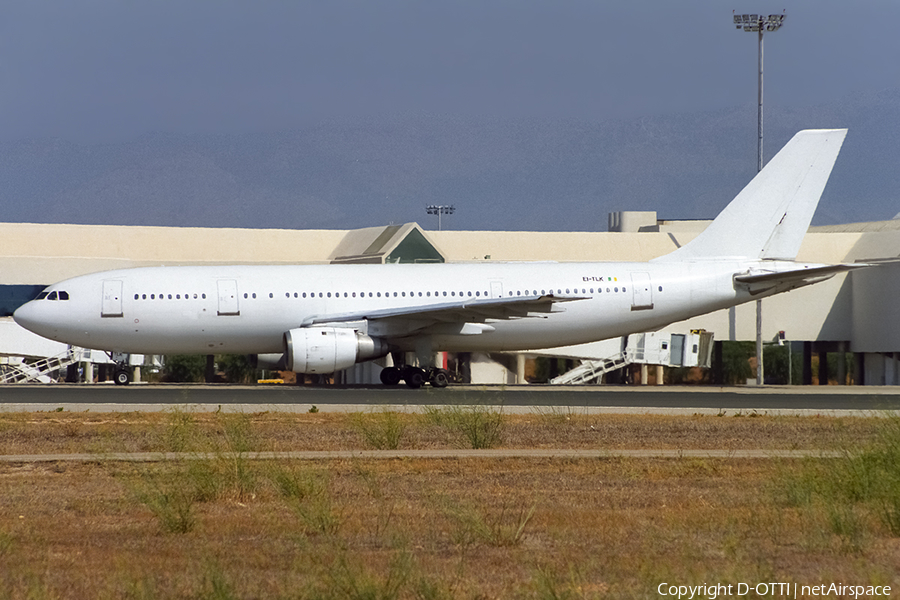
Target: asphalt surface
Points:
(830, 399)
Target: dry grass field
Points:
(226, 526)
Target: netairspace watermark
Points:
(771, 590)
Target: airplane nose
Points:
(26, 316)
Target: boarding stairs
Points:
(18, 371)
(591, 371)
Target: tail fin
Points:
(770, 216)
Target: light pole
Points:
(440, 209)
(759, 24)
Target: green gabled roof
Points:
(406, 243)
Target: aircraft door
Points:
(228, 298)
(642, 290)
(112, 298)
(496, 289)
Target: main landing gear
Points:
(415, 377)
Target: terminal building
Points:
(855, 312)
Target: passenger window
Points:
(477, 293)
(470, 294)
(254, 295)
(143, 296)
(170, 296)
(379, 294)
(153, 296)
(271, 295)
(178, 296)
(203, 296)
(428, 294)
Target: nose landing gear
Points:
(122, 375)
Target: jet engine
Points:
(329, 349)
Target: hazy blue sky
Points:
(110, 70)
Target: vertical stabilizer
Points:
(770, 216)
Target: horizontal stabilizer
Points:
(759, 282)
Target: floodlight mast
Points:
(440, 209)
(759, 23)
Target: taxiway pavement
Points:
(524, 398)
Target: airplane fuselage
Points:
(248, 309)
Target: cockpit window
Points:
(42, 295)
(52, 296)
(64, 295)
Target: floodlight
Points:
(440, 209)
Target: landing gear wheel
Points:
(440, 378)
(391, 376)
(122, 377)
(414, 377)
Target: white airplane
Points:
(324, 318)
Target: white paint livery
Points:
(324, 318)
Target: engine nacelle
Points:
(328, 349)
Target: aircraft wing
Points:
(459, 316)
(763, 281)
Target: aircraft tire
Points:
(391, 376)
(122, 377)
(440, 378)
(414, 377)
